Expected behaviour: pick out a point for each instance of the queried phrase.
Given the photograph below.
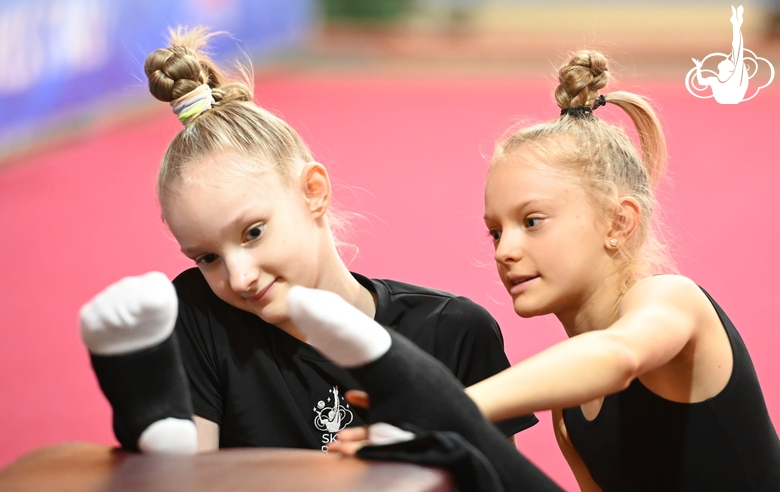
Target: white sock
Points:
(335, 328)
(127, 317)
(170, 436)
(382, 433)
(130, 315)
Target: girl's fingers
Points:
(345, 448)
(353, 434)
(349, 441)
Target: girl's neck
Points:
(335, 277)
(597, 309)
(341, 281)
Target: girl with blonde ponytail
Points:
(654, 389)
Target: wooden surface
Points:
(81, 467)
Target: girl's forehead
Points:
(212, 185)
(529, 169)
(521, 180)
(229, 168)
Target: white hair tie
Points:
(192, 104)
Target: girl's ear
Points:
(315, 184)
(625, 222)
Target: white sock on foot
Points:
(170, 436)
(130, 315)
(382, 433)
(337, 329)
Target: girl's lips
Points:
(262, 295)
(517, 288)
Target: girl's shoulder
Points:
(666, 281)
(670, 290)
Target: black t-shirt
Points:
(265, 388)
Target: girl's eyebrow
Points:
(522, 205)
(240, 218)
(189, 252)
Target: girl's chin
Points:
(527, 314)
(271, 314)
(524, 309)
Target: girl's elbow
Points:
(626, 365)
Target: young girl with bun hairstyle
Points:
(654, 389)
(247, 202)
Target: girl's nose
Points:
(242, 271)
(509, 247)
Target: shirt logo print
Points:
(331, 418)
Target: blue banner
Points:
(58, 57)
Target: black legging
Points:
(412, 390)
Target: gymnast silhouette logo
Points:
(332, 418)
(735, 70)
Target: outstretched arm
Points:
(659, 316)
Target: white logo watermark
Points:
(730, 84)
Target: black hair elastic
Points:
(584, 111)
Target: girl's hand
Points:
(349, 441)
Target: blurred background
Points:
(403, 101)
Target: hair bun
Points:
(183, 66)
(581, 79)
(173, 74)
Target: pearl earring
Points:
(613, 242)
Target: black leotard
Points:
(642, 442)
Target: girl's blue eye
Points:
(206, 259)
(532, 222)
(254, 232)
